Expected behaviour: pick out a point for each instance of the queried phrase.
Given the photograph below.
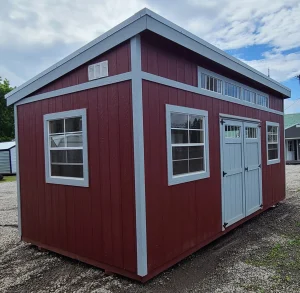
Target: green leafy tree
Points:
(7, 131)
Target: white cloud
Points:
(291, 106)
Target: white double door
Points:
(241, 169)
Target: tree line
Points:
(7, 129)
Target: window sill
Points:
(173, 180)
(68, 181)
(272, 162)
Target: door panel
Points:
(233, 166)
(241, 170)
(252, 154)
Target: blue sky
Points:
(36, 34)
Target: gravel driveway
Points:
(262, 255)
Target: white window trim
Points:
(275, 161)
(177, 179)
(225, 79)
(84, 182)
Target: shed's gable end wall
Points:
(293, 132)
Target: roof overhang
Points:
(139, 22)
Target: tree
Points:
(7, 131)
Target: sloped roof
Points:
(291, 120)
(139, 22)
(7, 145)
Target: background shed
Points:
(8, 157)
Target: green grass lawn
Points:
(8, 179)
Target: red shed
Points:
(145, 145)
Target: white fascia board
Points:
(112, 38)
(169, 30)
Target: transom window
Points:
(187, 144)
(65, 141)
(273, 142)
(249, 96)
(211, 83)
(232, 90)
(262, 100)
(222, 85)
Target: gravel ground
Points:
(262, 255)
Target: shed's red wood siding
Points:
(161, 57)
(170, 60)
(98, 222)
(118, 62)
(182, 217)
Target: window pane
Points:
(179, 136)
(180, 153)
(180, 167)
(195, 122)
(203, 80)
(196, 136)
(67, 170)
(56, 126)
(196, 165)
(57, 141)
(74, 140)
(74, 156)
(179, 120)
(196, 152)
(74, 124)
(273, 152)
(211, 83)
(58, 156)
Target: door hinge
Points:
(261, 206)
(224, 173)
(222, 121)
(259, 166)
(224, 225)
(246, 169)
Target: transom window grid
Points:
(273, 149)
(66, 147)
(232, 131)
(251, 132)
(232, 89)
(187, 142)
(211, 83)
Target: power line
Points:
(295, 101)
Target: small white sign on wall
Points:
(98, 70)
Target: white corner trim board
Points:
(139, 165)
(18, 171)
(198, 90)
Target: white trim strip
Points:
(139, 168)
(238, 118)
(198, 90)
(17, 170)
(77, 88)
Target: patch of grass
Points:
(8, 179)
(283, 258)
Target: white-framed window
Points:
(249, 96)
(262, 100)
(217, 84)
(65, 141)
(273, 142)
(232, 90)
(211, 83)
(187, 144)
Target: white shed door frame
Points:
(240, 169)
